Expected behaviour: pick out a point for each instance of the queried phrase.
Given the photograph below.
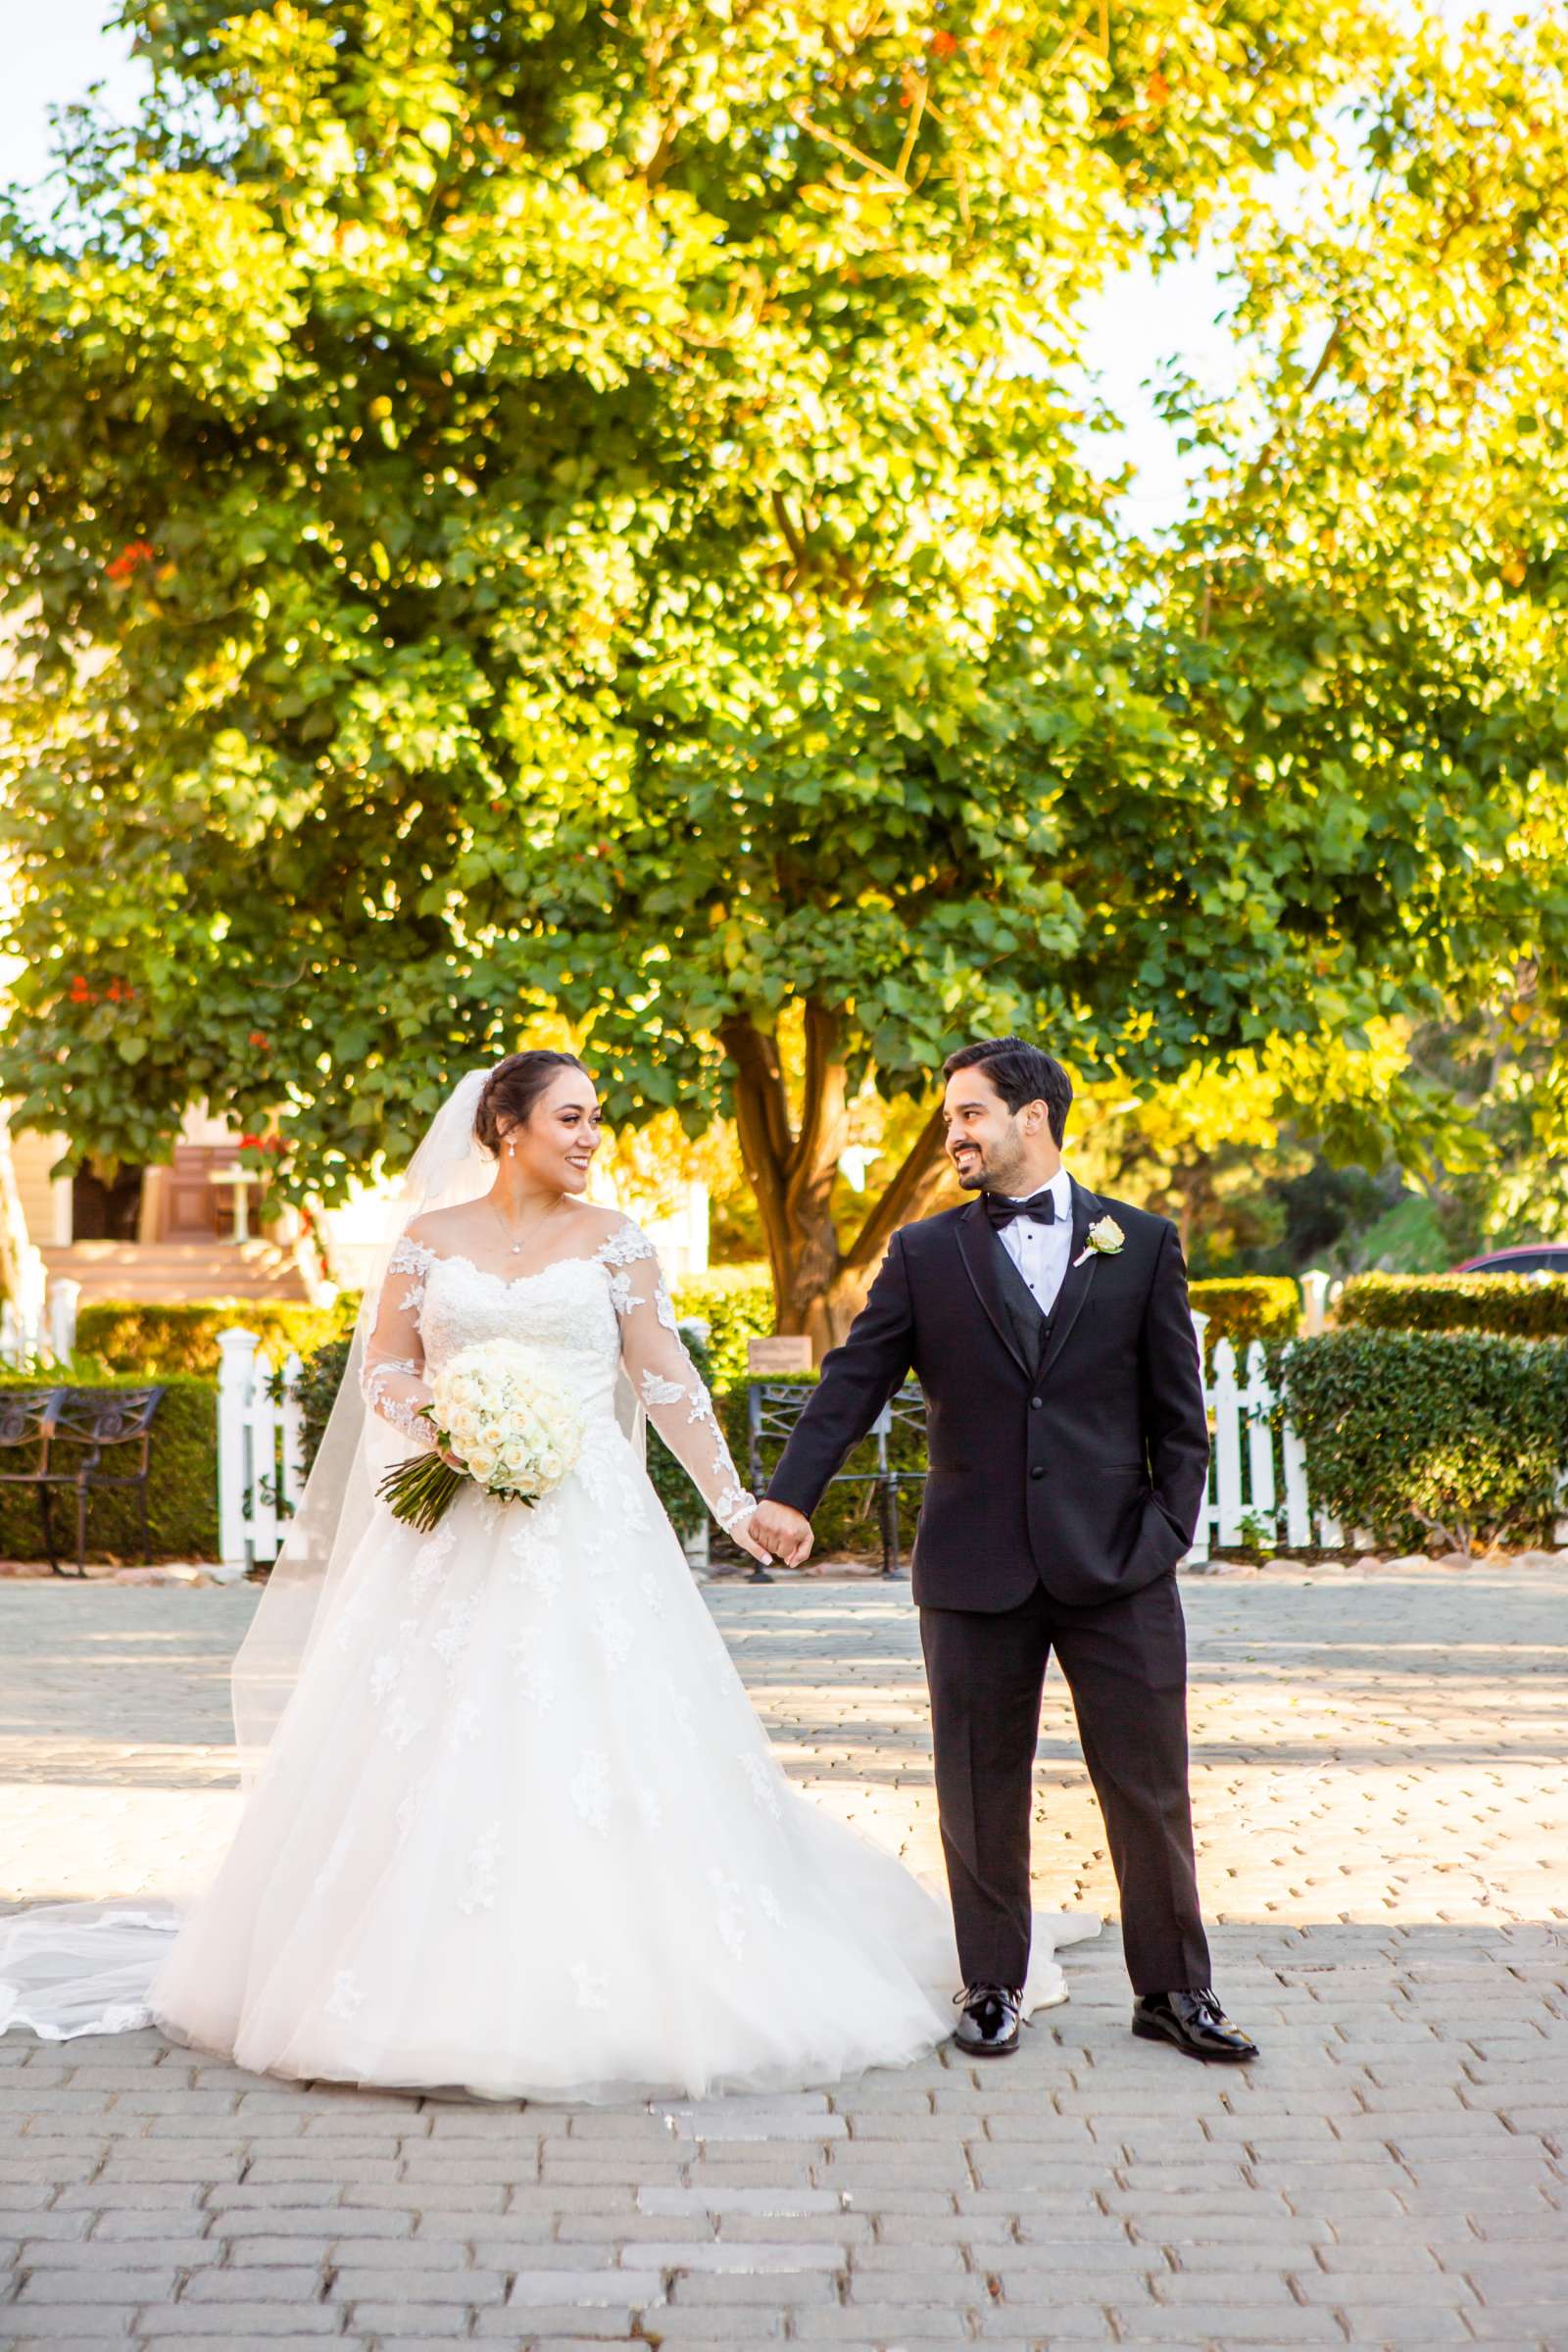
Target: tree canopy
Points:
(548, 511)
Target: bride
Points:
(512, 1825)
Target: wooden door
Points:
(194, 1208)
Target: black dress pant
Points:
(1125, 1663)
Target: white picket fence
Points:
(261, 1449)
(1257, 1481)
(39, 1326)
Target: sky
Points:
(64, 50)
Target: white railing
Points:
(1258, 1483)
(23, 1326)
(261, 1449)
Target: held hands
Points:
(787, 1533)
(740, 1533)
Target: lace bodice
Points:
(588, 1315)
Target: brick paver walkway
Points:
(1383, 1809)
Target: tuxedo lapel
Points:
(1075, 1282)
(982, 1256)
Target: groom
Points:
(1069, 1453)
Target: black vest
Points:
(1031, 1324)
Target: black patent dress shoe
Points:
(989, 2024)
(1195, 2022)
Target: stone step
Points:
(170, 1273)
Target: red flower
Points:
(250, 1142)
(942, 44)
(130, 560)
(258, 1037)
(81, 993)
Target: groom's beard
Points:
(981, 1175)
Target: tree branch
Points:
(790, 529)
(916, 94)
(750, 1125)
(761, 1115)
(822, 1113)
(1255, 472)
(904, 1197)
(802, 118)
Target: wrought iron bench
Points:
(88, 1423)
(27, 1425)
(775, 1407)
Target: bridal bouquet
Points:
(515, 1434)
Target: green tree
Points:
(1507, 1066)
(555, 512)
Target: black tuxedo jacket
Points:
(1071, 1449)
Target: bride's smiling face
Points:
(555, 1143)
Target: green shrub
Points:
(1251, 1306)
(736, 1303)
(1453, 1437)
(847, 1520)
(321, 1376)
(181, 1492)
(154, 1340)
(1524, 1306)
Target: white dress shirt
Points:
(1041, 1252)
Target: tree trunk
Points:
(820, 1283)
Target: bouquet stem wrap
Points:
(422, 1491)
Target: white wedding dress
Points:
(520, 1829)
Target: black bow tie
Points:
(1040, 1208)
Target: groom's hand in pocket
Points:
(786, 1532)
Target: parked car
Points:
(1531, 1258)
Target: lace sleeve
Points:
(393, 1380)
(665, 1378)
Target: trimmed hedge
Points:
(152, 1341)
(1445, 1437)
(181, 1492)
(736, 1303)
(1524, 1306)
(1249, 1306)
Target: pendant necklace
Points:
(516, 1248)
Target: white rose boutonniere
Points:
(1105, 1238)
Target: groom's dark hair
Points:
(1021, 1073)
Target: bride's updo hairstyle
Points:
(512, 1090)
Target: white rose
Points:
(503, 1412)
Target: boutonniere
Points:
(1105, 1239)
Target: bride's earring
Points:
(511, 1151)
